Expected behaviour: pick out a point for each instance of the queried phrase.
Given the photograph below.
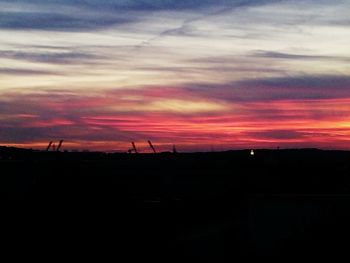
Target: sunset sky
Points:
(200, 74)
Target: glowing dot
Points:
(252, 153)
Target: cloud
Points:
(233, 72)
(281, 55)
(119, 116)
(145, 4)
(60, 22)
(24, 72)
(21, 134)
(78, 117)
(94, 14)
(49, 57)
(279, 88)
(277, 134)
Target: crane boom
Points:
(59, 146)
(49, 146)
(152, 147)
(134, 147)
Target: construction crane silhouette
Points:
(59, 146)
(133, 149)
(49, 146)
(52, 146)
(152, 147)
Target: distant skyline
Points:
(200, 74)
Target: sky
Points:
(199, 74)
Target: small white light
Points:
(252, 153)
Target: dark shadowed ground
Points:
(279, 204)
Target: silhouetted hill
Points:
(219, 206)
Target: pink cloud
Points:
(111, 120)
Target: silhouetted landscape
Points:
(277, 204)
(121, 120)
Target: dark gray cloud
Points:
(320, 83)
(291, 134)
(53, 15)
(22, 72)
(54, 21)
(281, 88)
(49, 57)
(38, 116)
(74, 132)
(23, 134)
(144, 4)
(281, 55)
(277, 134)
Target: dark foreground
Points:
(282, 205)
